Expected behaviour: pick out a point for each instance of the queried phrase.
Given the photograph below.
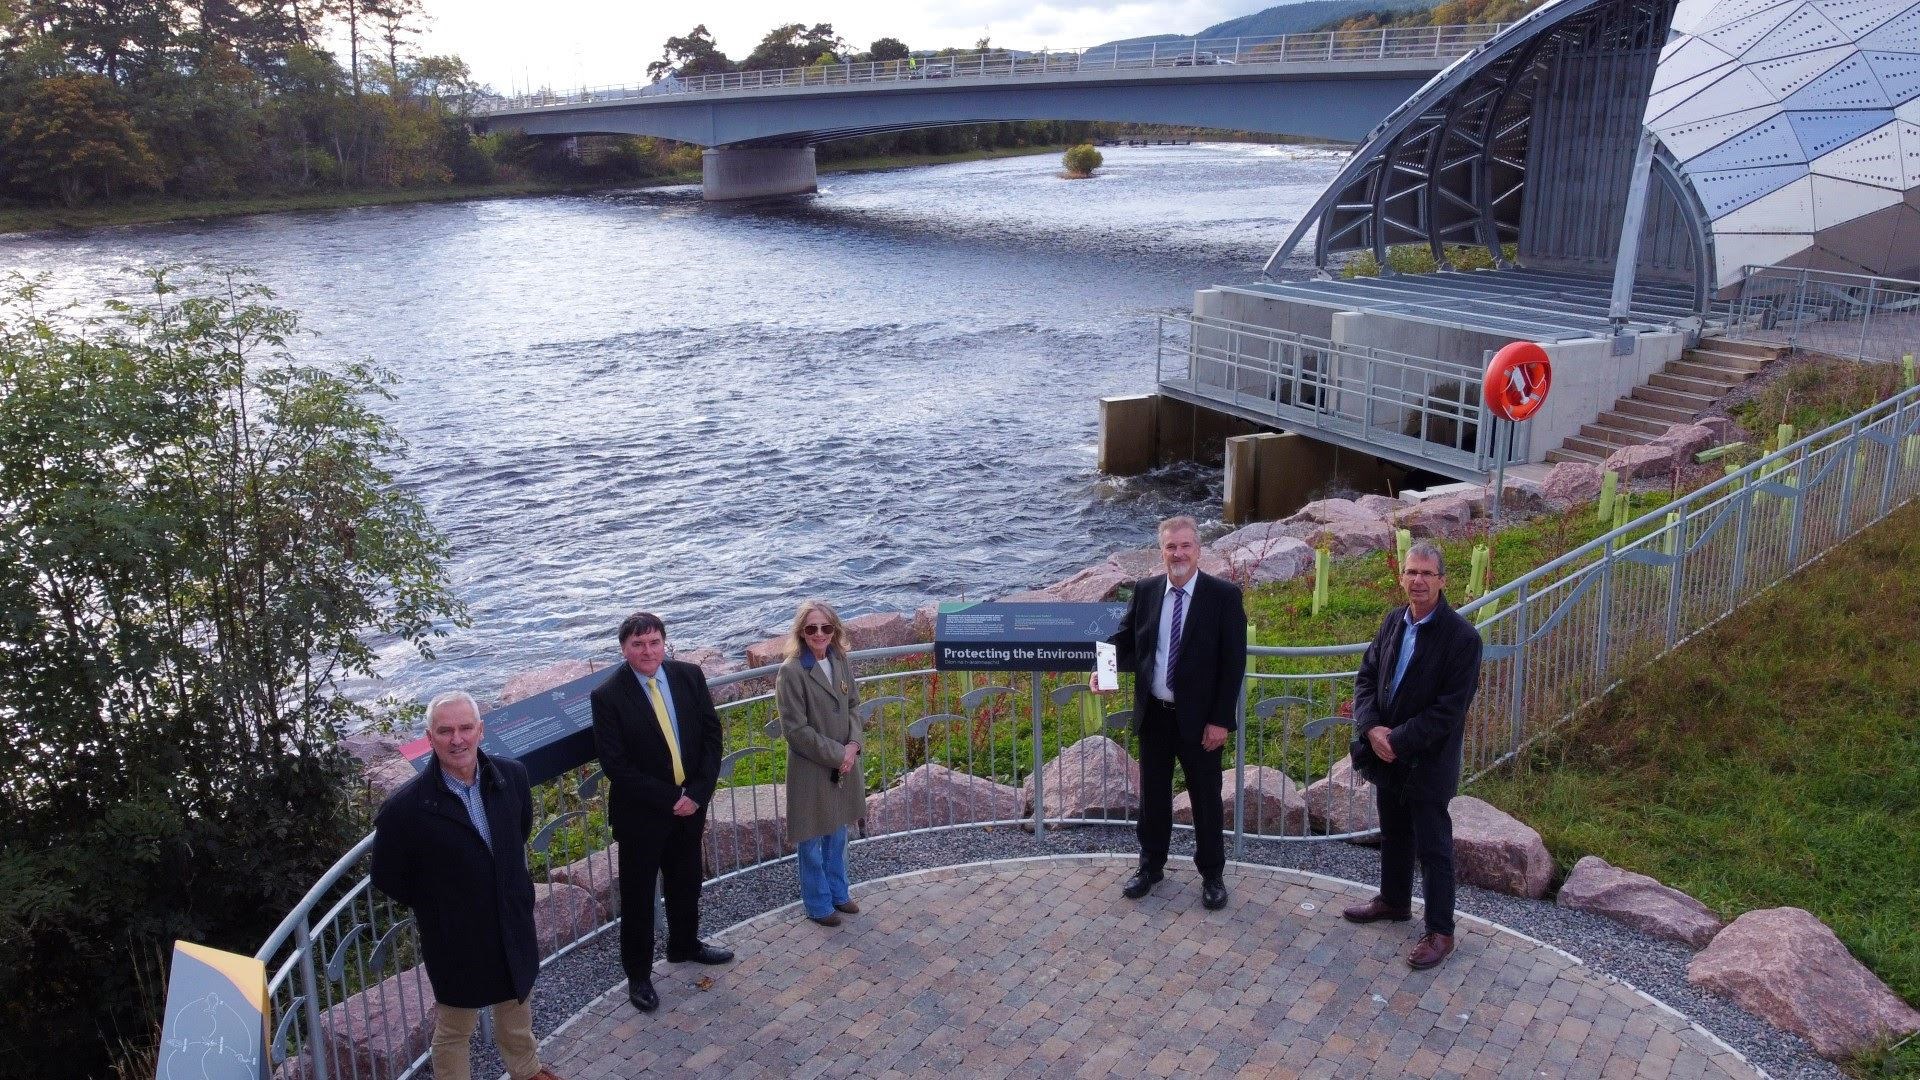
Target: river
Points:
(881, 395)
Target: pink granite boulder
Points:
(1327, 511)
(1096, 584)
(1341, 802)
(1352, 536)
(879, 630)
(540, 680)
(767, 652)
(381, 764)
(1093, 778)
(1380, 506)
(378, 1032)
(1282, 559)
(598, 873)
(1572, 483)
(1494, 850)
(1647, 459)
(562, 915)
(1687, 439)
(713, 663)
(1786, 967)
(1275, 806)
(1258, 534)
(1638, 901)
(934, 795)
(925, 620)
(746, 824)
(1443, 518)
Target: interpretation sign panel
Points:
(215, 1026)
(1021, 637)
(548, 733)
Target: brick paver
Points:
(1041, 968)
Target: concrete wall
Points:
(756, 172)
(1587, 379)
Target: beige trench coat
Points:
(819, 720)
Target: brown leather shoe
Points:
(849, 907)
(826, 920)
(1431, 949)
(1376, 910)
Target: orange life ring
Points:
(1517, 380)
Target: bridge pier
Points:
(756, 172)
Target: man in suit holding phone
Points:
(659, 741)
(1184, 637)
(1410, 702)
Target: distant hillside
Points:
(1308, 16)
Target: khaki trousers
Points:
(512, 1031)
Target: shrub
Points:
(199, 539)
(1080, 161)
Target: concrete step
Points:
(1628, 421)
(1702, 387)
(1720, 376)
(1554, 457)
(1591, 447)
(1653, 410)
(1686, 402)
(1759, 350)
(1614, 436)
(1726, 360)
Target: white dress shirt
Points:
(1160, 688)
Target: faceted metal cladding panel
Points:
(1794, 122)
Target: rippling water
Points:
(881, 395)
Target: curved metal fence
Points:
(947, 750)
(1340, 46)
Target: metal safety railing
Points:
(1388, 43)
(945, 750)
(1417, 410)
(1847, 315)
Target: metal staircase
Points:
(1674, 395)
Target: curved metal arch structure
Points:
(1451, 166)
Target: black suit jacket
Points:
(1213, 651)
(633, 752)
(474, 906)
(1427, 718)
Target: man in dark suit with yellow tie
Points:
(1184, 637)
(659, 741)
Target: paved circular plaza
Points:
(1041, 968)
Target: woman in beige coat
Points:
(817, 700)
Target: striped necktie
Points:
(1173, 636)
(666, 729)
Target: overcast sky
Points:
(567, 43)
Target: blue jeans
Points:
(823, 872)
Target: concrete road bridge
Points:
(760, 127)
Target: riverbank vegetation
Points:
(199, 539)
(1752, 771)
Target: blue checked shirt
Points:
(469, 796)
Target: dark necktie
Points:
(1173, 636)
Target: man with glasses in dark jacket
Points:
(452, 846)
(1410, 703)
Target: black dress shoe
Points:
(1142, 882)
(701, 953)
(641, 995)
(1213, 894)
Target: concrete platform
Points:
(1040, 968)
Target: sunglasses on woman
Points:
(817, 628)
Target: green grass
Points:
(1772, 761)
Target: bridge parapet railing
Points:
(1827, 311)
(1343, 46)
(1418, 406)
(948, 750)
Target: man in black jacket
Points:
(1410, 704)
(1184, 637)
(659, 741)
(452, 846)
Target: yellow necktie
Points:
(666, 729)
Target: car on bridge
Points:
(1201, 59)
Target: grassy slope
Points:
(1774, 760)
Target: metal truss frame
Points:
(1449, 167)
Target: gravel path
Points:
(1656, 967)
